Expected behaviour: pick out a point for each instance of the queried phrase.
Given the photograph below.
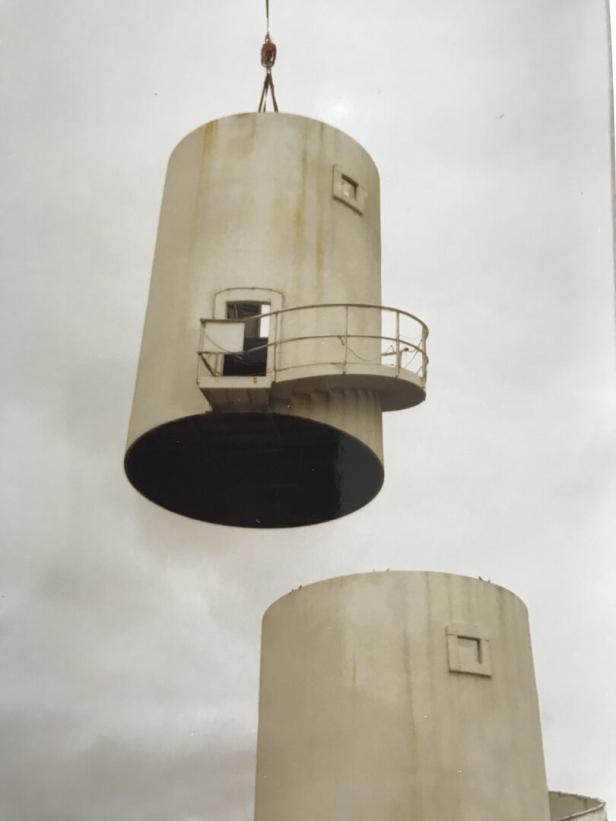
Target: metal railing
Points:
(342, 335)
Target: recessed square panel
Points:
(468, 650)
(346, 189)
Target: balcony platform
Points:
(333, 347)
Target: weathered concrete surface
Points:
(250, 212)
(361, 717)
(248, 204)
(569, 806)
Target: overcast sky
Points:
(129, 635)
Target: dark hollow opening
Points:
(251, 362)
(254, 469)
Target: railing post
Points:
(268, 350)
(398, 343)
(346, 338)
(278, 335)
(199, 349)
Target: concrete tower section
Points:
(267, 358)
(399, 696)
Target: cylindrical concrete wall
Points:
(255, 204)
(399, 696)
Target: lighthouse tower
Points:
(267, 358)
(266, 365)
(402, 695)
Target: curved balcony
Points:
(314, 347)
(568, 806)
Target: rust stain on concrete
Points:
(299, 215)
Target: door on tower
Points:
(252, 361)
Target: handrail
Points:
(409, 346)
(399, 345)
(324, 305)
(341, 337)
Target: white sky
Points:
(130, 636)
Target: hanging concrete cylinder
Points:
(402, 696)
(267, 359)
